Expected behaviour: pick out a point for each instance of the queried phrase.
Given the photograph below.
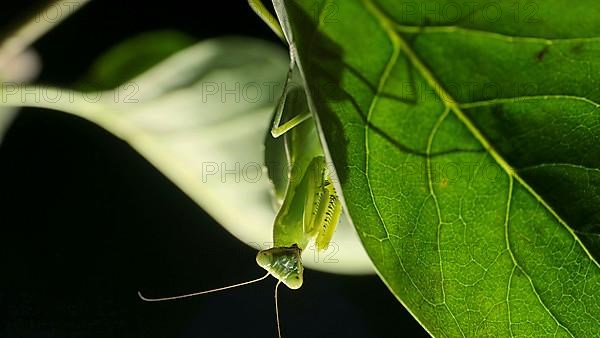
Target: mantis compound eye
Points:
(293, 281)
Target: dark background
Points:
(85, 221)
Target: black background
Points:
(85, 221)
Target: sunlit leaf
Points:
(201, 117)
(19, 70)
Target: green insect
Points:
(309, 207)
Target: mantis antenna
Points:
(277, 310)
(201, 292)
(221, 289)
(266, 16)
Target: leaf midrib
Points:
(389, 26)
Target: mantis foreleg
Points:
(322, 207)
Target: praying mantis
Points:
(310, 208)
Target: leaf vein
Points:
(559, 164)
(438, 211)
(382, 81)
(488, 34)
(516, 263)
(492, 102)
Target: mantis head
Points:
(283, 263)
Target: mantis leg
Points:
(331, 212)
(292, 100)
(290, 92)
(263, 13)
(295, 221)
(279, 130)
(313, 180)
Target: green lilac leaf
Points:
(200, 116)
